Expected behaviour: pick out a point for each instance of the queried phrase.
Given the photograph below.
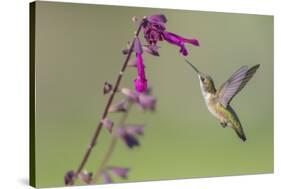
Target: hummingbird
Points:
(218, 101)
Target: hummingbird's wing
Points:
(235, 84)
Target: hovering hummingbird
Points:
(218, 101)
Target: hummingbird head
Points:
(206, 82)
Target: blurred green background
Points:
(78, 48)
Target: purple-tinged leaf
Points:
(108, 124)
(118, 107)
(119, 171)
(151, 49)
(130, 95)
(147, 102)
(137, 46)
(129, 139)
(106, 177)
(135, 129)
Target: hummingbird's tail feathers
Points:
(239, 131)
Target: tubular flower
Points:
(140, 82)
(154, 30)
(128, 134)
(179, 41)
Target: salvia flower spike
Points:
(154, 31)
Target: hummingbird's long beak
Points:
(197, 71)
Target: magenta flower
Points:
(140, 82)
(154, 30)
(179, 41)
(153, 26)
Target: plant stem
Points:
(112, 145)
(115, 89)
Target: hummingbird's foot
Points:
(223, 124)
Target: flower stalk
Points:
(111, 146)
(109, 102)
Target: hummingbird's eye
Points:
(202, 79)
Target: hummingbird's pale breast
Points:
(212, 104)
(214, 107)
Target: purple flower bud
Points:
(119, 171)
(118, 107)
(135, 129)
(107, 88)
(86, 177)
(106, 178)
(153, 26)
(108, 124)
(137, 46)
(131, 95)
(147, 102)
(140, 66)
(158, 18)
(128, 138)
(179, 41)
(141, 82)
(69, 178)
(140, 85)
(153, 32)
